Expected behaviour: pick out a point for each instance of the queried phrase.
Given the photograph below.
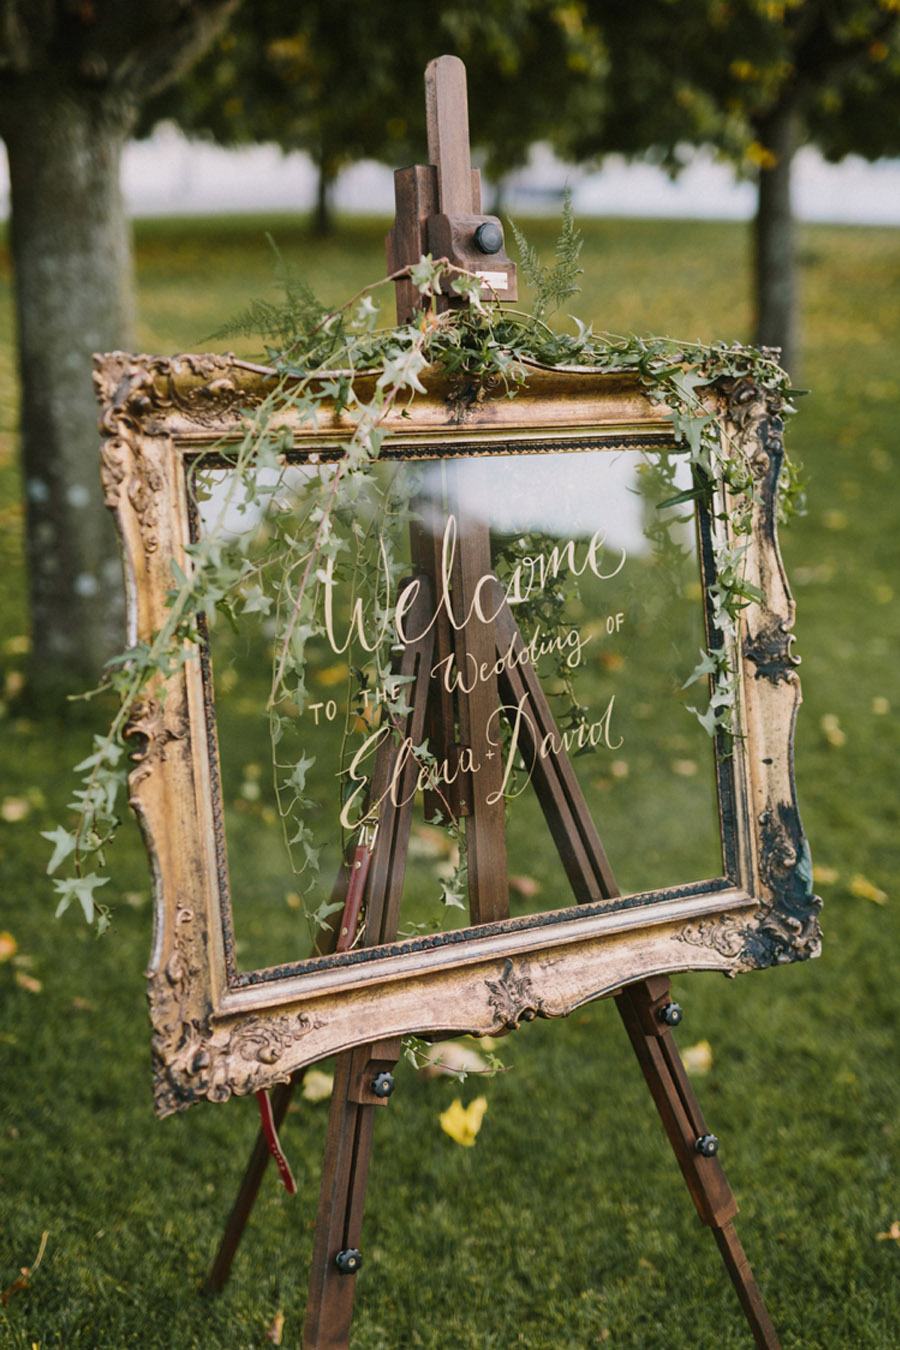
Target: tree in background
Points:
(72, 77)
(758, 79)
(343, 81)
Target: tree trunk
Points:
(71, 252)
(775, 262)
(323, 216)
(498, 198)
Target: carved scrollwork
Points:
(193, 1058)
(203, 389)
(124, 468)
(513, 998)
(755, 413)
(136, 395)
(150, 732)
(725, 935)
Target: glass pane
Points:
(603, 588)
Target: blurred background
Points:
(733, 164)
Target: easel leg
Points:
(361, 1077)
(247, 1192)
(643, 1008)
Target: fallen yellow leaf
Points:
(685, 768)
(276, 1330)
(462, 1123)
(880, 706)
(864, 889)
(892, 1234)
(28, 982)
(825, 876)
(525, 886)
(8, 946)
(14, 808)
(317, 1085)
(428, 841)
(698, 1059)
(834, 733)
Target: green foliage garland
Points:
(278, 569)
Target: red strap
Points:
(359, 871)
(268, 1126)
(356, 890)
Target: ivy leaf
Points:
(707, 666)
(107, 752)
(452, 893)
(297, 779)
(63, 843)
(80, 889)
(686, 381)
(366, 315)
(425, 275)
(689, 495)
(256, 601)
(709, 720)
(401, 370)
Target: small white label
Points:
(498, 280)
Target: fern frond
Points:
(531, 266)
(552, 286)
(282, 322)
(565, 274)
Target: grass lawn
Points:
(567, 1225)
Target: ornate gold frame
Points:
(216, 1032)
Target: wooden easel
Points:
(372, 879)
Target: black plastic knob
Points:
(488, 237)
(383, 1084)
(707, 1145)
(348, 1261)
(671, 1014)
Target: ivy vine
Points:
(278, 569)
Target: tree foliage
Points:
(714, 71)
(756, 79)
(343, 81)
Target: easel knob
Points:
(349, 1261)
(707, 1146)
(488, 237)
(383, 1084)
(671, 1014)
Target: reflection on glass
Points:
(589, 585)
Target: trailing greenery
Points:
(308, 535)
